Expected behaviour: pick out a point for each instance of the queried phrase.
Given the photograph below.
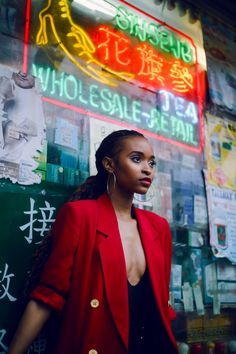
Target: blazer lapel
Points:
(113, 266)
(151, 240)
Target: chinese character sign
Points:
(155, 66)
(3, 347)
(5, 282)
(38, 346)
(41, 217)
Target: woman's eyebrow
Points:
(136, 152)
(141, 153)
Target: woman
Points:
(108, 273)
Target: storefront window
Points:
(70, 73)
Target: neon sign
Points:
(158, 58)
(147, 65)
(113, 47)
(74, 42)
(149, 55)
(174, 117)
(151, 32)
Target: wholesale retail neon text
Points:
(172, 117)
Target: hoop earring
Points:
(108, 182)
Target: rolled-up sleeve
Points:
(55, 279)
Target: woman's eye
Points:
(152, 163)
(136, 159)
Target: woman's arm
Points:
(35, 316)
(55, 279)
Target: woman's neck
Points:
(122, 205)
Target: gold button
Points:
(94, 303)
(93, 351)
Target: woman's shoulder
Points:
(85, 203)
(79, 207)
(151, 216)
(155, 222)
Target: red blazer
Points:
(85, 277)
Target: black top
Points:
(147, 334)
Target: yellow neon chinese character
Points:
(183, 79)
(114, 45)
(74, 42)
(152, 64)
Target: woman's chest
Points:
(133, 251)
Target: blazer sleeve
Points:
(168, 259)
(54, 282)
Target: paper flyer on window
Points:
(221, 151)
(22, 127)
(98, 131)
(220, 46)
(226, 271)
(164, 190)
(210, 282)
(227, 292)
(222, 221)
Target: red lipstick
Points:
(146, 180)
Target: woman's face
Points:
(134, 165)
